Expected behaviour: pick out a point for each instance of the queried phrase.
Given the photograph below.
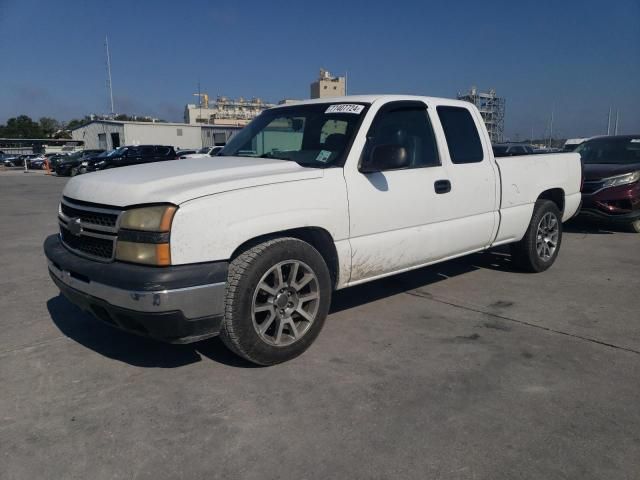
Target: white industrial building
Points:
(109, 134)
(224, 111)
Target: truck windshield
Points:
(610, 150)
(314, 135)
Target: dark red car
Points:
(611, 190)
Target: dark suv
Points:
(132, 155)
(71, 165)
(611, 189)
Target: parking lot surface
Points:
(463, 370)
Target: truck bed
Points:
(523, 177)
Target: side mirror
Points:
(385, 157)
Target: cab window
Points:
(405, 124)
(461, 133)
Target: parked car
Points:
(205, 152)
(73, 164)
(511, 149)
(134, 155)
(9, 160)
(611, 190)
(181, 153)
(38, 162)
(307, 198)
(89, 158)
(572, 143)
(54, 158)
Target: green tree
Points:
(22, 127)
(75, 123)
(49, 126)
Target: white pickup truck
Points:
(308, 198)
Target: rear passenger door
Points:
(132, 156)
(475, 193)
(163, 153)
(147, 154)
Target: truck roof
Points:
(376, 98)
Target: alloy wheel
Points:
(547, 236)
(285, 303)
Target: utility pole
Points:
(346, 78)
(615, 129)
(609, 122)
(109, 86)
(551, 126)
(199, 100)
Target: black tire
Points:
(525, 252)
(245, 272)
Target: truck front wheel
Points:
(540, 245)
(278, 297)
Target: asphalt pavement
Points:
(463, 370)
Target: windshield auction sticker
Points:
(323, 156)
(345, 108)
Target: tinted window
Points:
(164, 151)
(405, 124)
(147, 151)
(610, 150)
(461, 134)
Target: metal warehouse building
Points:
(109, 134)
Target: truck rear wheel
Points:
(278, 297)
(540, 245)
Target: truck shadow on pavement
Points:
(144, 352)
(495, 259)
(132, 349)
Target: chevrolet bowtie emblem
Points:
(74, 226)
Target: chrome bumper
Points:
(194, 302)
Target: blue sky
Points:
(580, 57)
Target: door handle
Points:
(442, 186)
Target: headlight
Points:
(144, 235)
(621, 179)
(158, 254)
(149, 219)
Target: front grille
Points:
(591, 187)
(89, 216)
(89, 245)
(89, 229)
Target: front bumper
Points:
(615, 205)
(621, 219)
(178, 304)
(64, 170)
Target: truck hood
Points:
(178, 181)
(598, 171)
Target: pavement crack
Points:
(521, 322)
